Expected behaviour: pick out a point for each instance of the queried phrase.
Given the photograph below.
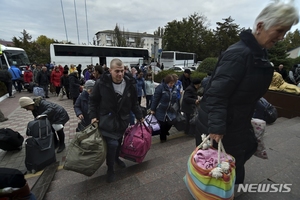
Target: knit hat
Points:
(89, 84)
(25, 101)
(196, 81)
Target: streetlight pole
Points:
(63, 13)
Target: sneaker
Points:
(110, 176)
(12, 96)
(120, 163)
(47, 97)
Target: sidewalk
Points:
(160, 175)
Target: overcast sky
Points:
(45, 17)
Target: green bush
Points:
(161, 75)
(207, 65)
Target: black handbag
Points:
(180, 122)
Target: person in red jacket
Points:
(28, 79)
(55, 79)
(28, 75)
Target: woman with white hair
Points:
(243, 75)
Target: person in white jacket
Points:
(149, 87)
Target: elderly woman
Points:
(56, 114)
(243, 75)
(81, 106)
(165, 96)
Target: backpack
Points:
(136, 143)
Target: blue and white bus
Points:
(177, 58)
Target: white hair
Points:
(277, 13)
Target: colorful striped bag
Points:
(210, 173)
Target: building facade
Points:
(294, 53)
(142, 40)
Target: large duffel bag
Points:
(10, 140)
(87, 151)
(136, 143)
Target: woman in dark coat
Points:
(190, 102)
(74, 85)
(56, 115)
(165, 96)
(242, 76)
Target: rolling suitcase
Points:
(40, 151)
(10, 140)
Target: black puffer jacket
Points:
(113, 116)
(189, 98)
(74, 85)
(242, 76)
(56, 114)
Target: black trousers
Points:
(57, 90)
(9, 87)
(164, 129)
(140, 100)
(241, 153)
(187, 123)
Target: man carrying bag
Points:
(113, 97)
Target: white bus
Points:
(13, 56)
(67, 54)
(177, 58)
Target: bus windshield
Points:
(20, 57)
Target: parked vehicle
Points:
(180, 68)
(176, 58)
(156, 69)
(10, 55)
